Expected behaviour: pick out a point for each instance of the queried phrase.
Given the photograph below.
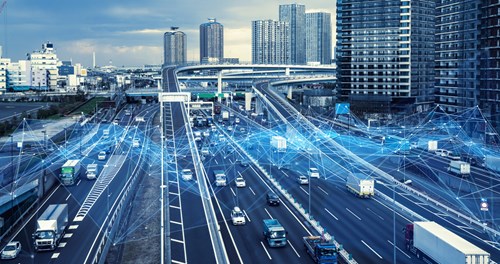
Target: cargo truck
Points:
(50, 227)
(70, 172)
(492, 163)
(361, 185)
(429, 145)
(434, 243)
(460, 168)
(321, 250)
(274, 233)
(278, 143)
(220, 178)
(92, 171)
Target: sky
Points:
(129, 33)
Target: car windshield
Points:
(327, 252)
(278, 234)
(238, 214)
(44, 235)
(10, 248)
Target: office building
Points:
(295, 16)
(270, 42)
(318, 38)
(385, 55)
(44, 67)
(174, 47)
(19, 76)
(211, 41)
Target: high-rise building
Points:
(44, 67)
(270, 42)
(19, 76)
(319, 37)
(174, 47)
(4, 62)
(295, 16)
(489, 77)
(385, 54)
(211, 41)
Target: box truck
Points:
(50, 227)
(361, 185)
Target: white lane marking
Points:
(331, 214)
(293, 248)
(269, 256)
(69, 195)
(374, 213)
(239, 173)
(78, 183)
(371, 249)
(304, 190)
(234, 194)
(68, 235)
(399, 249)
(285, 174)
(71, 227)
(268, 213)
(248, 218)
(173, 193)
(322, 190)
(177, 262)
(175, 207)
(353, 213)
(251, 190)
(175, 222)
(216, 162)
(55, 255)
(390, 209)
(176, 240)
(62, 244)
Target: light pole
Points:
(43, 141)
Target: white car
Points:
(101, 155)
(187, 175)
(11, 250)
(313, 173)
(205, 151)
(237, 120)
(303, 180)
(237, 216)
(240, 182)
(136, 143)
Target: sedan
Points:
(240, 182)
(303, 180)
(11, 250)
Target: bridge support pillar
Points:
(289, 93)
(219, 86)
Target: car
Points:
(11, 250)
(205, 151)
(237, 120)
(237, 216)
(186, 174)
(229, 128)
(454, 155)
(272, 198)
(303, 180)
(136, 143)
(101, 155)
(313, 173)
(240, 182)
(245, 163)
(197, 139)
(206, 133)
(242, 129)
(441, 152)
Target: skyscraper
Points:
(211, 41)
(319, 37)
(295, 16)
(174, 47)
(270, 42)
(385, 54)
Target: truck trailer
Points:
(492, 163)
(220, 178)
(70, 172)
(460, 168)
(321, 250)
(50, 227)
(92, 171)
(274, 233)
(434, 243)
(278, 143)
(361, 185)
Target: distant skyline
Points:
(130, 33)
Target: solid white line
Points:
(371, 249)
(374, 213)
(353, 213)
(251, 190)
(268, 213)
(323, 190)
(69, 195)
(216, 162)
(78, 183)
(331, 214)
(239, 173)
(248, 218)
(269, 256)
(234, 194)
(399, 249)
(304, 190)
(293, 248)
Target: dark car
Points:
(272, 198)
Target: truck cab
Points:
(320, 249)
(274, 233)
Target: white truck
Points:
(92, 171)
(458, 167)
(50, 227)
(361, 185)
(430, 241)
(278, 143)
(225, 115)
(429, 145)
(220, 178)
(492, 163)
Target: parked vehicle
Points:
(11, 250)
(303, 180)
(274, 233)
(313, 173)
(361, 185)
(430, 241)
(92, 171)
(237, 216)
(272, 198)
(240, 182)
(321, 250)
(460, 168)
(220, 178)
(70, 172)
(50, 227)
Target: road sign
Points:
(484, 204)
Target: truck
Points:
(274, 233)
(361, 185)
(225, 115)
(278, 143)
(70, 172)
(50, 227)
(220, 178)
(460, 168)
(92, 171)
(432, 242)
(322, 251)
(105, 133)
(429, 145)
(492, 163)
